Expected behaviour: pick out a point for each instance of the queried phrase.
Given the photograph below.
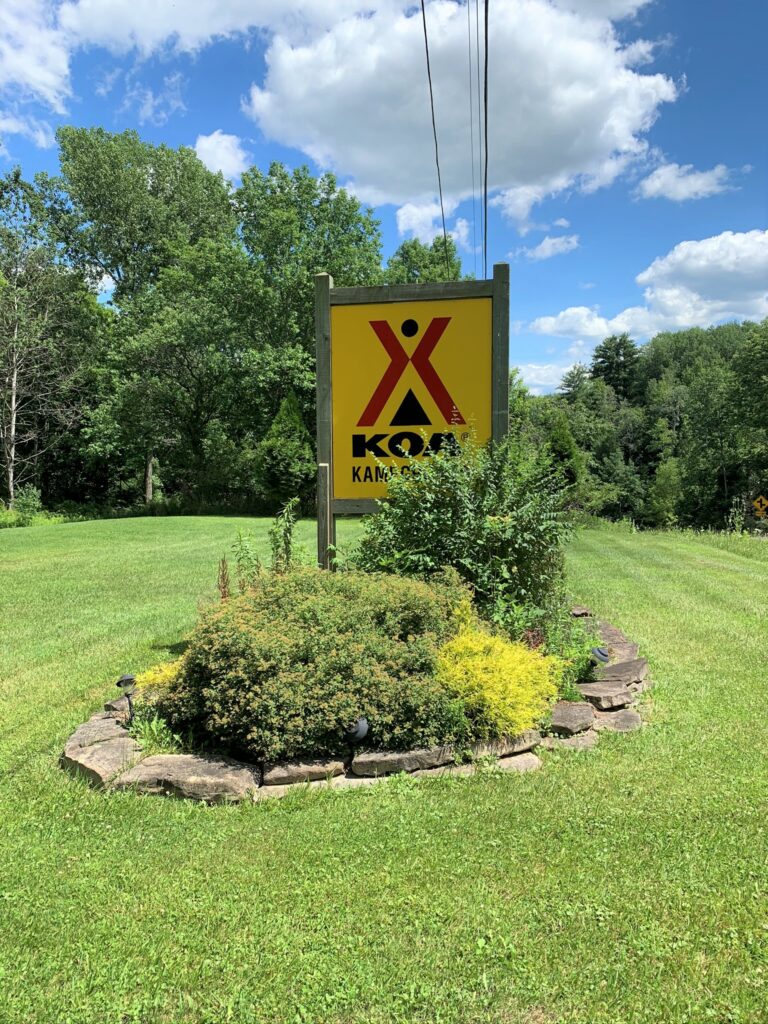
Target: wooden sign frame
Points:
(326, 296)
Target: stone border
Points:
(103, 751)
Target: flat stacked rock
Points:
(214, 780)
(571, 717)
(618, 683)
(100, 749)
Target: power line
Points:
(485, 169)
(434, 133)
(472, 133)
(479, 94)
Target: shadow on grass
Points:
(176, 649)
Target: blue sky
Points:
(627, 141)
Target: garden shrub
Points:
(495, 513)
(283, 669)
(159, 678)
(506, 687)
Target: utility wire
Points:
(434, 133)
(472, 133)
(479, 94)
(485, 169)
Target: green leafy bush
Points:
(28, 502)
(27, 510)
(495, 513)
(283, 669)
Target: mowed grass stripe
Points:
(626, 884)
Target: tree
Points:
(574, 383)
(285, 459)
(665, 494)
(615, 360)
(294, 226)
(45, 314)
(122, 208)
(175, 371)
(712, 446)
(413, 262)
(751, 386)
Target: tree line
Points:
(673, 432)
(192, 387)
(194, 384)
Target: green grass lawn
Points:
(619, 886)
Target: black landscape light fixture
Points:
(600, 656)
(128, 686)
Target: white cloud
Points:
(107, 82)
(552, 245)
(148, 26)
(698, 283)
(38, 132)
(574, 322)
(460, 234)
(422, 220)
(603, 8)
(355, 100)
(673, 181)
(542, 377)
(222, 152)
(561, 222)
(34, 58)
(38, 38)
(156, 107)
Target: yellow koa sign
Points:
(407, 380)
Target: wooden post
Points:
(500, 353)
(326, 523)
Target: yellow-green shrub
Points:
(506, 687)
(160, 677)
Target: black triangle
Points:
(410, 413)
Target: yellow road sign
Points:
(761, 506)
(407, 379)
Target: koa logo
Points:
(399, 359)
(404, 442)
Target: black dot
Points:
(409, 328)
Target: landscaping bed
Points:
(104, 752)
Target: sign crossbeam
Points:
(402, 372)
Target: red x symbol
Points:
(420, 362)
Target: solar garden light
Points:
(128, 686)
(357, 732)
(600, 656)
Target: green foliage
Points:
(294, 226)
(493, 513)
(673, 432)
(413, 262)
(123, 207)
(665, 494)
(281, 534)
(28, 502)
(615, 361)
(153, 733)
(247, 560)
(285, 460)
(283, 669)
